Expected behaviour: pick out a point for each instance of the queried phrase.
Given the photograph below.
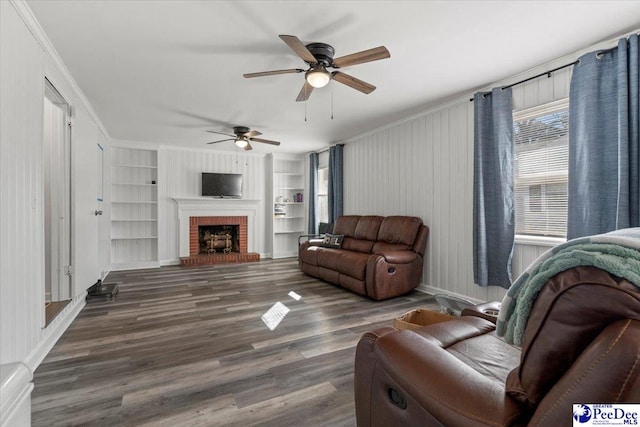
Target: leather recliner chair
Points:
(581, 345)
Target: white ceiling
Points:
(166, 71)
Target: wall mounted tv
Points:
(222, 185)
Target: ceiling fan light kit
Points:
(319, 57)
(318, 77)
(242, 142)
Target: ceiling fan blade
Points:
(252, 133)
(220, 133)
(273, 73)
(248, 147)
(299, 48)
(352, 82)
(266, 141)
(369, 55)
(305, 92)
(222, 140)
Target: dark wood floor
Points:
(187, 347)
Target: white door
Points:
(87, 180)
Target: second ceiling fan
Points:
(241, 137)
(319, 57)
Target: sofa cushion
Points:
(382, 247)
(360, 232)
(368, 227)
(328, 257)
(344, 262)
(357, 245)
(346, 225)
(353, 264)
(399, 230)
(308, 253)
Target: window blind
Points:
(541, 136)
(323, 187)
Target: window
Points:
(541, 136)
(323, 187)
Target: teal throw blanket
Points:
(617, 253)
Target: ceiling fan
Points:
(319, 57)
(241, 136)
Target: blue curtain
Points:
(604, 159)
(335, 183)
(313, 191)
(493, 193)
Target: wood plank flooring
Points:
(187, 347)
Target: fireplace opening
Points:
(218, 239)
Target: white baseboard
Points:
(53, 332)
(15, 392)
(423, 288)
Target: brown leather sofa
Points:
(380, 257)
(581, 345)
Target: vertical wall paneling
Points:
(21, 189)
(424, 167)
(26, 60)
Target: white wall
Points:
(423, 166)
(26, 59)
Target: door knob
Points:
(97, 212)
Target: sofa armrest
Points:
(392, 273)
(364, 369)
(398, 257)
(428, 369)
(309, 238)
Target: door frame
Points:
(58, 214)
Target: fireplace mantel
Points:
(207, 206)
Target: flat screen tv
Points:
(222, 185)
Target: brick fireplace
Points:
(226, 213)
(196, 258)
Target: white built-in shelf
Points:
(134, 208)
(287, 174)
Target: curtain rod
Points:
(546, 73)
(327, 149)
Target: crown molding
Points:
(43, 40)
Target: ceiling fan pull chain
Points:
(331, 100)
(305, 111)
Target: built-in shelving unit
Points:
(134, 208)
(288, 203)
